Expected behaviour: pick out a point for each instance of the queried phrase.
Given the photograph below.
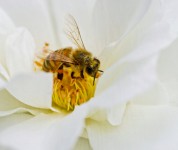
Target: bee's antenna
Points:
(100, 70)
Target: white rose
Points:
(135, 105)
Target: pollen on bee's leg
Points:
(38, 65)
(45, 48)
(69, 92)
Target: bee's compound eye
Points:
(89, 70)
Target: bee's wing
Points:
(73, 32)
(56, 56)
(60, 56)
(42, 55)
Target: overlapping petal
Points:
(19, 52)
(13, 120)
(143, 127)
(145, 39)
(112, 20)
(127, 82)
(30, 132)
(50, 131)
(6, 27)
(6, 24)
(10, 105)
(34, 89)
(100, 22)
(34, 15)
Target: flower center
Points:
(71, 90)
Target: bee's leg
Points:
(60, 73)
(72, 75)
(81, 74)
(38, 65)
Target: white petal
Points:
(115, 114)
(82, 144)
(34, 89)
(127, 80)
(150, 36)
(6, 24)
(81, 10)
(33, 15)
(3, 73)
(12, 120)
(19, 52)
(45, 132)
(100, 22)
(132, 53)
(18, 110)
(2, 83)
(65, 133)
(170, 7)
(6, 27)
(143, 128)
(3, 76)
(157, 95)
(30, 133)
(10, 105)
(168, 72)
(114, 19)
(120, 84)
(8, 102)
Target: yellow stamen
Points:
(69, 92)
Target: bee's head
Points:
(92, 67)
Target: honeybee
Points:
(80, 59)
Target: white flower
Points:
(135, 106)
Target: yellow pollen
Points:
(69, 92)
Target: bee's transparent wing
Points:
(56, 56)
(60, 56)
(73, 32)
